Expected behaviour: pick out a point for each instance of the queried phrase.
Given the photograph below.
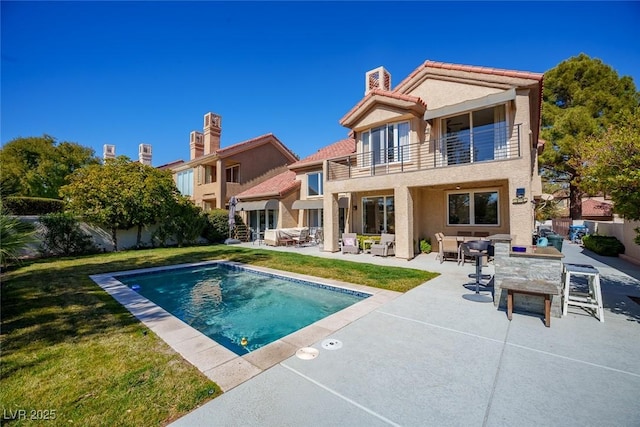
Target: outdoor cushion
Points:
(349, 241)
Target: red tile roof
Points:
(276, 186)
(170, 165)
(473, 69)
(340, 148)
(386, 94)
(591, 208)
(245, 145)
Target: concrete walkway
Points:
(434, 357)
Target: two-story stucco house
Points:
(294, 198)
(214, 174)
(451, 148)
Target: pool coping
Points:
(218, 363)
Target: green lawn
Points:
(68, 347)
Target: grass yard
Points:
(71, 352)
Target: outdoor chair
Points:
(317, 236)
(302, 238)
(350, 243)
(447, 247)
(385, 247)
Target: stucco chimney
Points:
(212, 131)
(144, 154)
(196, 144)
(378, 78)
(108, 151)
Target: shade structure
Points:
(472, 104)
(259, 205)
(343, 202)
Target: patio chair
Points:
(350, 243)
(302, 238)
(447, 247)
(386, 246)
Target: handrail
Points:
(488, 145)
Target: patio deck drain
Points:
(331, 344)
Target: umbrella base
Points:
(232, 241)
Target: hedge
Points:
(603, 245)
(32, 205)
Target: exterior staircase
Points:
(242, 233)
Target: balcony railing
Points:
(488, 145)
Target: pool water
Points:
(240, 309)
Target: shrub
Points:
(217, 228)
(32, 205)
(603, 245)
(15, 237)
(182, 222)
(63, 236)
(425, 245)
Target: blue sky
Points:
(125, 73)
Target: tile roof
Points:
(170, 165)
(340, 148)
(244, 145)
(473, 69)
(239, 148)
(276, 186)
(384, 93)
(591, 207)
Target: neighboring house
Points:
(596, 210)
(294, 198)
(451, 148)
(268, 204)
(214, 174)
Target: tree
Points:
(120, 194)
(610, 163)
(100, 194)
(39, 166)
(582, 98)
(180, 220)
(151, 192)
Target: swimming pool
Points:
(240, 308)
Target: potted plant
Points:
(425, 245)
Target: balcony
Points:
(497, 143)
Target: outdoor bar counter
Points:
(543, 263)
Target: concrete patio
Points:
(434, 357)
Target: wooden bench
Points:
(530, 287)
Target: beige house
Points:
(294, 198)
(452, 148)
(213, 174)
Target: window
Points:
(314, 217)
(185, 182)
(209, 174)
(378, 215)
(475, 136)
(386, 144)
(473, 208)
(263, 219)
(314, 184)
(233, 173)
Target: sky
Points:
(126, 73)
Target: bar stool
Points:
(593, 299)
